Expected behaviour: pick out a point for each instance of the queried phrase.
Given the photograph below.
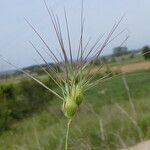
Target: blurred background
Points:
(115, 113)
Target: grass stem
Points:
(67, 134)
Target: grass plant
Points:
(76, 78)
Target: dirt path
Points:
(125, 68)
(136, 66)
(141, 146)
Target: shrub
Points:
(21, 100)
(7, 91)
(146, 52)
(33, 95)
(131, 56)
(4, 115)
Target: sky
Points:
(100, 15)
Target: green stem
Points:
(67, 134)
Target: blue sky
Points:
(99, 18)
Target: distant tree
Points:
(119, 51)
(146, 52)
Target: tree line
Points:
(120, 51)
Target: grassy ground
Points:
(126, 59)
(106, 121)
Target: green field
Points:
(107, 119)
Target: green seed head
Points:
(70, 108)
(77, 94)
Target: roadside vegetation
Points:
(107, 120)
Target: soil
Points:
(141, 146)
(123, 68)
